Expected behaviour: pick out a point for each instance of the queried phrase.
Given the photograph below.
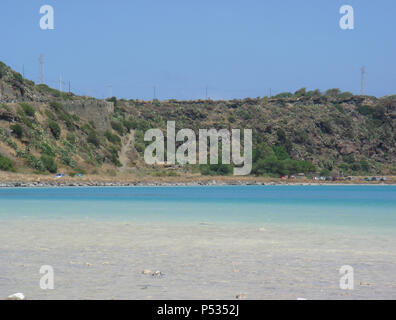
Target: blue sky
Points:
(235, 48)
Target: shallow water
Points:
(268, 242)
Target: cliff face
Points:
(335, 131)
(15, 89)
(98, 111)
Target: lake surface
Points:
(267, 242)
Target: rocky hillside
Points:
(44, 130)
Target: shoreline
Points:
(22, 180)
(213, 183)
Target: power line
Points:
(41, 68)
(363, 80)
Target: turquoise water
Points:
(372, 207)
(268, 242)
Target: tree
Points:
(300, 92)
(284, 95)
(262, 151)
(333, 92)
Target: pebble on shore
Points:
(154, 274)
(16, 296)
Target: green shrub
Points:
(35, 163)
(365, 165)
(355, 166)
(314, 93)
(280, 152)
(43, 88)
(325, 173)
(5, 107)
(345, 95)
(50, 115)
(325, 126)
(6, 164)
(118, 126)
(333, 92)
(57, 106)
(46, 149)
(273, 166)
(29, 82)
(93, 138)
(113, 138)
(128, 124)
(300, 92)
(113, 156)
(18, 77)
(231, 119)
(365, 110)
(215, 169)
(28, 109)
(3, 69)
(243, 114)
(17, 130)
(339, 108)
(350, 158)
(262, 151)
(276, 161)
(284, 95)
(55, 129)
(49, 163)
(71, 138)
(24, 119)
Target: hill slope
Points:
(44, 130)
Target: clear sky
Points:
(235, 48)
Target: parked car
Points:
(59, 175)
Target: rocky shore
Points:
(24, 180)
(38, 184)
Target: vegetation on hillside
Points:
(302, 132)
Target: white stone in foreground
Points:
(16, 296)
